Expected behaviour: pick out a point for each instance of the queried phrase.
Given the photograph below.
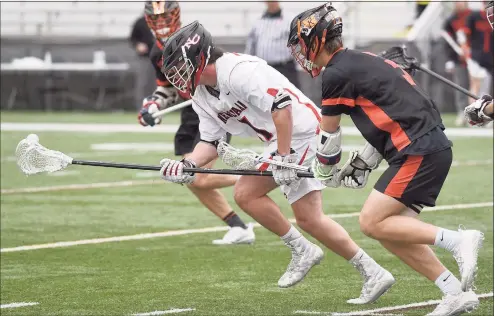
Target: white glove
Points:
(162, 98)
(475, 111)
(327, 174)
(284, 175)
(354, 173)
(172, 170)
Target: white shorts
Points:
(306, 149)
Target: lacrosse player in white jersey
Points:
(242, 95)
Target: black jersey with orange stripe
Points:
(156, 59)
(480, 34)
(390, 110)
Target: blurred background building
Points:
(75, 55)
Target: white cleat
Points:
(374, 286)
(466, 255)
(456, 304)
(237, 235)
(304, 256)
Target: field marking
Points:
(397, 307)
(170, 311)
(97, 185)
(171, 233)
(172, 128)
(146, 174)
(15, 305)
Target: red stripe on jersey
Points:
(272, 92)
(337, 101)
(308, 105)
(369, 53)
(382, 121)
(406, 173)
(303, 156)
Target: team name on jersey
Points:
(235, 111)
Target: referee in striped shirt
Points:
(268, 40)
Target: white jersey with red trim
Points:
(242, 101)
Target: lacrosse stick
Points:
(245, 159)
(398, 55)
(33, 158)
(172, 109)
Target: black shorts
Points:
(188, 134)
(415, 180)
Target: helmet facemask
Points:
(163, 22)
(183, 74)
(309, 36)
(489, 13)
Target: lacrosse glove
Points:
(284, 175)
(173, 171)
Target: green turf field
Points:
(187, 272)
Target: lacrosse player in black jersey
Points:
(401, 125)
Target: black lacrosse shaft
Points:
(195, 170)
(446, 81)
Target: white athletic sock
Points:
(291, 235)
(448, 283)
(447, 239)
(361, 259)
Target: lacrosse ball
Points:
(33, 138)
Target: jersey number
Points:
(264, 135)
(406, 75)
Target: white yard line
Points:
(61, 244)
(150, 174)
(15, 305)
(393, 308)
(170, 311)
(97, 185)
(172, 128)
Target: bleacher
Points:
(111, 19)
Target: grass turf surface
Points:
(187, 271)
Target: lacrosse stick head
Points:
(239, 159)
(33, 158)
(398, 55)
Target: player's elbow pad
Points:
(370, 156)
(281, 100)
(329, 149)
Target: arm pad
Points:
(370, 156)
(329, 148)
(281, 100)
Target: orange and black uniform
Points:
(480, 34)
(397, 118)
(454, 23)
(187, 135)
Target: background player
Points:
(476, 40)
(163, 18)
(242, 95)
(481, 111)
(402, 125)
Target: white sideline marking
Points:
(204, 230)
(15, 305)
(92, 154)
(397, 308)
(170, 311)
(79, 186)
(172, 128)
(146, 174)
(161, 147)
(87, 128)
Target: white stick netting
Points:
(239, 159)
(245, 159)
(33, 158)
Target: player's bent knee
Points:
(241, 197)
(367, 225)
